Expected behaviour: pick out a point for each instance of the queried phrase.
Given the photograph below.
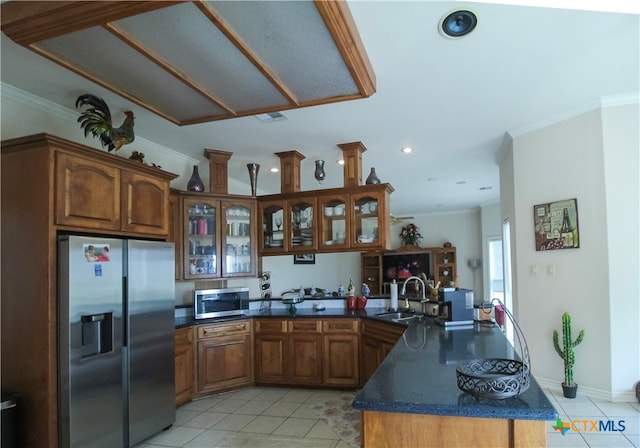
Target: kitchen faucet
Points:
(403, 291)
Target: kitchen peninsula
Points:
(413, 399)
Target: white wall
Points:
(563, 161)
(461, 229)
(621, 137)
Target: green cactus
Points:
(568, 354)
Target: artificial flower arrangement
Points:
(410, 235)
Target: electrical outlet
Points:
(551, 270)
(533, 270)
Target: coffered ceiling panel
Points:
(192, 62)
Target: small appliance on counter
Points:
(455, 308)
(431, 309)
(208, 303)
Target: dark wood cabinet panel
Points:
(270, 358)
(305, 358)
(377, 340)
(341, 356)
(184, 364)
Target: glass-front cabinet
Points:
(334, 222)
(368, 219)
(274, 226)
(201, 238)
(219, 239)
(331, 220)
(239, 241)
(302, 227)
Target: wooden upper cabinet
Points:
(93, 190)
(91, 194)
(87, 193)
(332, 220)
(144, 204)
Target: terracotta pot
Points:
(351, 302)
(361, 302)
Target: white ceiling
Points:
(452, 100)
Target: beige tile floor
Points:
(283, 418)
(582, 411)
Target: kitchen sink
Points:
(400, 316)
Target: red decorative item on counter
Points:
(361, 302)
(351, 302)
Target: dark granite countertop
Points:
(284, 313)
(419, 376)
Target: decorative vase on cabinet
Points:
(373, 177)
(195, 183)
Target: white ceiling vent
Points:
(271, 117)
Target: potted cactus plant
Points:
(566, 352)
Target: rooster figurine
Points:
(97, 120)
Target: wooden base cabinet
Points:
(184, 365)
(377, 340)
(341, 353)
(288, 351)
(307, 352)
(224, 356)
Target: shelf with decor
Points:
(379, 268)
(445, 266)
(371, 271)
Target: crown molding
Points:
(601, 103)
(49, 107)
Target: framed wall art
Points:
(556, 225)
(304, 259)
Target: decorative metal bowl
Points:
(497, 377)
(492, 377)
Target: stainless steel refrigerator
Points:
(115, 340)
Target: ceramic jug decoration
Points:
(365, 290)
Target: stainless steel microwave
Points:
(209, 303)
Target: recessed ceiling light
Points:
(407, 150)
(341, 162)
(274, 169)
(456, 24)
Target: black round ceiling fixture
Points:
(458, 23)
